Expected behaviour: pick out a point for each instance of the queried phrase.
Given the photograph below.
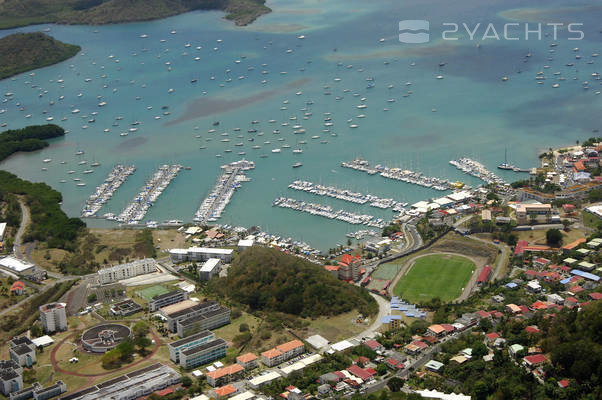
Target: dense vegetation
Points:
(48, 222)
(15, 13)
(23, 52)
(266, 279)
(30, 138)
(19, 321)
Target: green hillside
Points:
(14, 13)
(23, 52)
(269, 280)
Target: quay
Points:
(151, 191)
(404, 175)
(227, 183)
(345, 195)
(328, 212)
(104, 192)
(478, 170)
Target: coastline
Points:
(241, 12)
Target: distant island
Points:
(15, 13)
(23, 52)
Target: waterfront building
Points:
(53, 317)
(166, 299)
(124, 271)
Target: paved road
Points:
(383, 309)
(503, 256)
(19, 236)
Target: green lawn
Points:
(432, 276)
(150, 292)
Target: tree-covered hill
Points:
(15, 13)
(23, 52)
(30, 138)
(269, 280)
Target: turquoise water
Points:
(478, 115)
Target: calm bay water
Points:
(477, 114)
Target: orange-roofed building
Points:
(247, 361)
(436, 330)
(573, 245)
(578, 165)
(349, 267)
(225, 391)
(281, 353)
(333, 269)
(224, 375)
(18, 288)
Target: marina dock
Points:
(212, 207)
(478, 170)
(104, 192)
(151, 191)
(404, 175)
(345, 195)
(328, 212)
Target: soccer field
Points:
(436, 275)
(150, 292)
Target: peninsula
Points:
(24, 52)
(15, 13)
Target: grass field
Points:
(386, 271)
(432, 276)
(150, 292)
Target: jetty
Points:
(345, 195)
(227, 183)
(478, 170)
(153, 188)
(404, 175)
(328, 212)
(104, 192)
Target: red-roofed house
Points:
(484, 275)
(333, 269)
(435, 330)
(539, 305)
(394, 364)
(564, 383)
(18, 288)
(571, 302)
(541, 262)
(373, 345)
(534, 360)
(224, 375)
(448, 328)
(483, 314)
(576, 289)
(578, 166)
(595, 296)
(164, 392)
(225, 391)
(520, 247)
(490, 337)
(248, 360)
(532, 329)
(360, 372)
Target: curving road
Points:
(25, 218)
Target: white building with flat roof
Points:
(53, 317)
(128, 270)
(200, 254)
(17, 266)
(210, 269)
